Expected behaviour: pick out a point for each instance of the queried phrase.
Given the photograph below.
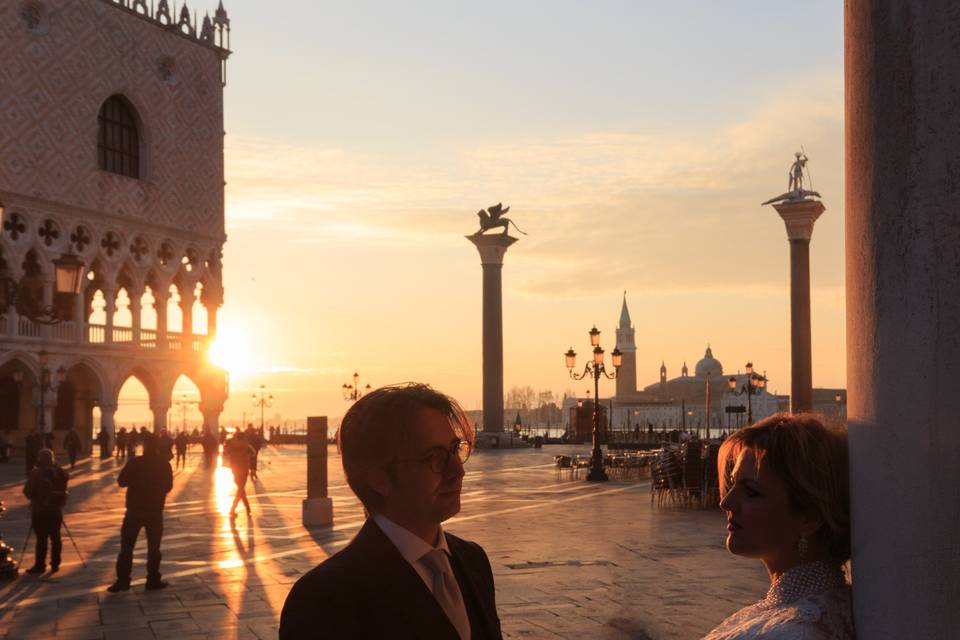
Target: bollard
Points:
(318, 507)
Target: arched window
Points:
(118, 140)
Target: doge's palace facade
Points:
(111, 148)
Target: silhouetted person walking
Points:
(46, 488)
(240, 455)
(165, 444)
(148, 479)
(180, 442)
(121, 442)
(71, 442)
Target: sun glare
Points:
(229, 351)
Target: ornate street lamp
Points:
(27, 295)
(352, 392)
(595, 369)
(262, 402)
(183, 404)
(755, 384)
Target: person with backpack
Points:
(71, 442)
(46, 488)
(148, 479)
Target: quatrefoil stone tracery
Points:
(15, 226)
(110, 243)
(49, 232)
(80, 238)
(139, 249)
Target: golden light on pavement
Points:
(223, 488)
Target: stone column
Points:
(799, 216)
(212, 322)
(160, 299)
(136, 314)
(211, 419)
(80, 318)
(107, 413)
(318, 507)
(187, 298)
(903, 314)
(492, 250)
(160, 411)
(49, 285)
(110, 308)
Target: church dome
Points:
(709, 367)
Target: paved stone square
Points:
(571, 559)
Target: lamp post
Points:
(755, 384)
(27, 295)
(45, 385)
(596, 369)
(352, 392)
(262, 402)
(184, 404)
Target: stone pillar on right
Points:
(799, 216)
(318, 506)
(902, 148)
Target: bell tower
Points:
(626, 342)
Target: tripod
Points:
(63, 522)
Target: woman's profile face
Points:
(760, 523)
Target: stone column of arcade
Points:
(107, 413)
(318, 506)
(492, 249)
(799, 217)
(160, 411)
(903, 314)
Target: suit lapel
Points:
(396, 587)
(478, 609)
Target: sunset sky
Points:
(634, 142)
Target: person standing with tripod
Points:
(46, 488)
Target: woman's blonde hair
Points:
(811, 460)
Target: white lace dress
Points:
(809, 602)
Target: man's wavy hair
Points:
(374, 427)
(811, 460)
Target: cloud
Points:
(655, 210)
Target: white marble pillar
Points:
(902, 130)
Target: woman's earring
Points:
(802, 546)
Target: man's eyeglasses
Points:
(439, 457)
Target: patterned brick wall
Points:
(54, 75)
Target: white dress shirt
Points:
(413, 548)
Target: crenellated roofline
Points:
(211, 32)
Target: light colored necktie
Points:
(446, 590)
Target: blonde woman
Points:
(786, 496)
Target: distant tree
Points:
(522, 398)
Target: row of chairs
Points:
(621, 466)
(686, 475)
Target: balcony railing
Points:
(96, 334)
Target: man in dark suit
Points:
(402, 576)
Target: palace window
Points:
(118, 139)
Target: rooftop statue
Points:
(492, 217)
(795, 179)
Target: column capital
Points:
(492, 248)
(799, 217)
